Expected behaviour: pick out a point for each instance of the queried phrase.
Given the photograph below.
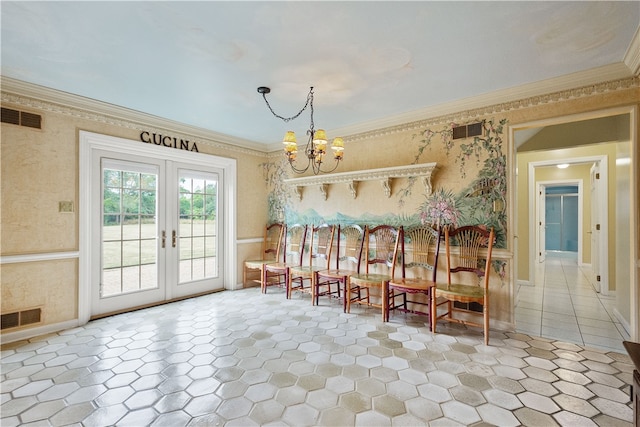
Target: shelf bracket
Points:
(323, 190)
(353, 188)
(386, 186)
(297, 190)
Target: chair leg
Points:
(347, 296)
(384, 301)
(485, 309)
(344, 299)
(286, 283)
(314, 293)
(384, 296)
(434, 311)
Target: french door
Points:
(155, 228)
(159, 226)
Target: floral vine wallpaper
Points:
(478, 199)
(483, 200)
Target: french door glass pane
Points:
(129, 230)
(198, 213)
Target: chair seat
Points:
(336, 274)
(369, 279)
(257, 263)
(305, 270)
(461, 293)
(278, 265)
(411, 285)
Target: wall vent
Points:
(21, 118)
(467, 131)
(21, 318)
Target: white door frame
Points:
(540, 221)
(89, 142)
(634, 224)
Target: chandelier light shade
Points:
(315, 150)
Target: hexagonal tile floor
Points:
(241, 358)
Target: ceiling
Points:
(200, 63)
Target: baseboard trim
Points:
(26, 334)
(625, 325)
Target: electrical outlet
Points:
(66, 206)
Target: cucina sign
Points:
(168, 141)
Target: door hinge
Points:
(598, 278)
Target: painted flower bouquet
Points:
(440, 209)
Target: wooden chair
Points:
(277, 273)
(380, 249)
(419, 252)
(470, 240)
(271, 244)
(319, 255)
(348, 252)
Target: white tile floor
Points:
(564, 305)
(242, 358)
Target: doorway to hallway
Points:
(551, 142)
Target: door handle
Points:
(174, 238)
(164, 238)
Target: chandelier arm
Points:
(319, 169)
(296, 170)
(288, 119)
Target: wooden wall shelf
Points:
(384, 175)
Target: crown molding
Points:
(472, 114)
(632, 57)
(500, 97)
(583, 83)
(46, 99)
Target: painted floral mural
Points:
(481, 201)
(279, 197)
(440, 209)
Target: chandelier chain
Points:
(288, 119)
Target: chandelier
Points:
(316, 149)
